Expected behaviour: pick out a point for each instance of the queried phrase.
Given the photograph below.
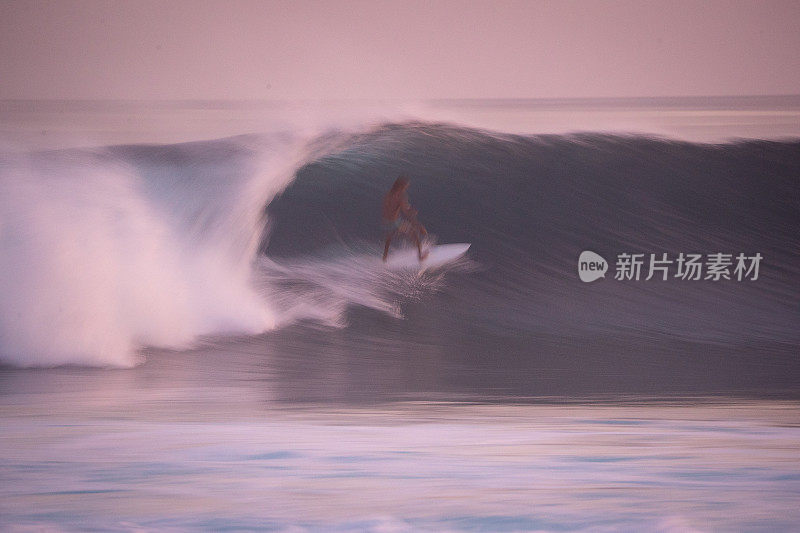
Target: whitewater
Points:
(101, 257)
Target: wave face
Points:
(530, 205)
(106, 251)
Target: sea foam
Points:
(103, 252)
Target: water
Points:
(129, 454)
(197, 332)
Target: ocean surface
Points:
(197, 331)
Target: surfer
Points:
(400, 218)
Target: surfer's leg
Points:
(418, 242)
(418, 233)
(389, 238)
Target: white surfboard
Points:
(437, 256)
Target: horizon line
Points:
(438, 100)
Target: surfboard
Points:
(437, 256)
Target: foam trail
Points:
(103, 252)
(321, 288)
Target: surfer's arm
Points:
(408, 211)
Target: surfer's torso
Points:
(395, 207)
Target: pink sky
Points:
(405, 50)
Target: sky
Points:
(326, 50)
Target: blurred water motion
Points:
(138, 455)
